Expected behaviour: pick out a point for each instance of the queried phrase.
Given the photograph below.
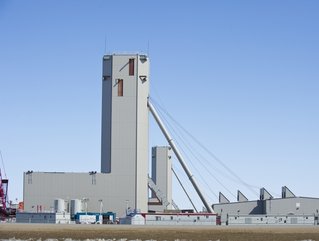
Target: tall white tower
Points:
(124, 150)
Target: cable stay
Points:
(182, 186)
(181, 138)
(199, 157)
(207, 190)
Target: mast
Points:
(178, 155)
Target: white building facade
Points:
(123, 181)
(124, 150)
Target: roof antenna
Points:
(105, 40)
(148, 48)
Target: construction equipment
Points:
(3, 192)
(3, 196)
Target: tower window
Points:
(120, 87)
(131, 67)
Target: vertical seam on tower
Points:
(111, 122)
(136, 131)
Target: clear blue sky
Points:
(241, 76)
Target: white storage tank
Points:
(59, 205)
(75, 207)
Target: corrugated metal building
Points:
(180, 219)
(272, 220)
(25, 217)
(267, 205)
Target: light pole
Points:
(85, 200)
(101, 206)
(126, 206)
(68, 205)
(101, 210)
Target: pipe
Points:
(178, 155)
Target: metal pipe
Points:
(178, 155)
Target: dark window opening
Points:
(29, 178)
(131, 67)
(93, 179)
(119, 87)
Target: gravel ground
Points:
(169, 233)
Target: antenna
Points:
(148, 48)
(105, 41)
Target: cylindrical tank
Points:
(76, 206)
(59, 205)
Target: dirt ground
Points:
(169, 233)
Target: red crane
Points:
(2, 195)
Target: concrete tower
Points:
(162, 177)
(123, 181)
(124, 150)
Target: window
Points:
(131, 67)
(119, 87)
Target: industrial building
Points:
(272, 220)
(171, 219)
(180, 219)
(123, 181)
(289, 209)
(42, 217)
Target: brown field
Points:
(81, 232)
